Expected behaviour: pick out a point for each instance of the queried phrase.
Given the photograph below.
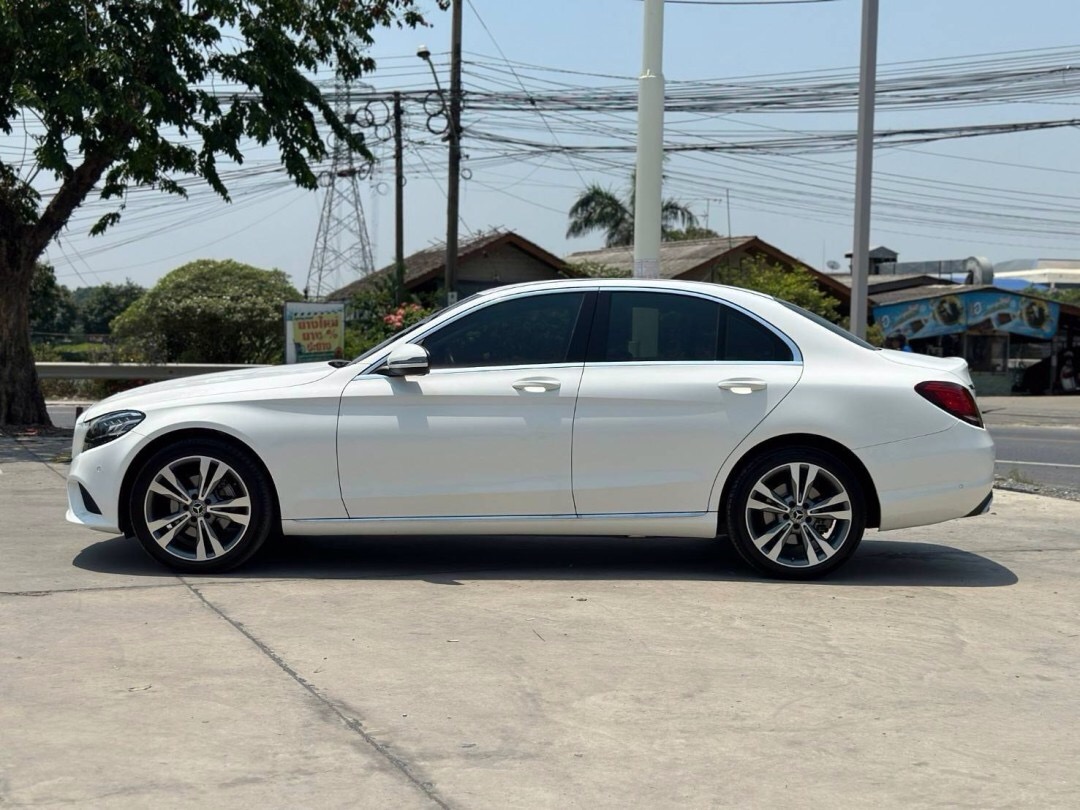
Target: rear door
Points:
(672, 383)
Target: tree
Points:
(211, 312)
(119, 94)
(591, 269)
(1065, 295)
(794, 285)
(51, 306)
(99, 305)
(374, 314)
(600, 209)
(691, 232)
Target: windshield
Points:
(409, 330)
(832, 327)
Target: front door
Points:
(487, 432)
(673, 383)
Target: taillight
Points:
(952, 398)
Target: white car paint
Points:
(619, 448)
(403, 443)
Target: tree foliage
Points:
(1066, 295)
(600, 209)
(794, 285)
(691, 232)
(111, 94)
(374, 314)
(593, 269)
(100, 304)
(52, 306)
(211, 312)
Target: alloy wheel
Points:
(197, 508)
(798, 515)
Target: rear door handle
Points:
(537, 385)
(742, 386)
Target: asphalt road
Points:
(1043, 455)
(62, 414)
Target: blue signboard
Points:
(927, 317)
(1007, 312)
(982, 309)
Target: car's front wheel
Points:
(796, 513)
(201, 506)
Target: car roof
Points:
(640, 283)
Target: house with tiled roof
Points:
(487, 260)
(702, 259)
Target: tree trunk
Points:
(21, 402)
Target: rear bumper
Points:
(932, 478)
(983, 507)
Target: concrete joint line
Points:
(351, 723)
(92, 589)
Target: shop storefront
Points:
(999, 333)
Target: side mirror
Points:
(408, 359)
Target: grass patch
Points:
(1017, 477)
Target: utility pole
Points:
(864, 169)
(650, 145)
(454, 179)
(399, 206)
(730, 243)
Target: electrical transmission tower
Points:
(342, 249)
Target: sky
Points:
(990, 196)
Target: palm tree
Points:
(600, 209)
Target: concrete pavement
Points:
(937, 668)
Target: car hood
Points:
(213, 385)
(951, 365)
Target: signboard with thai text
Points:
(314, 332)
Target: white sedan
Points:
(585, 407)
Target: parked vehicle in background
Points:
(584, 407)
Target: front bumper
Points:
(94, 481)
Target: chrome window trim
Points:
(797, 356)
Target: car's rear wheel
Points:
(796, 513)
(201, 505)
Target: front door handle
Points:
(537, 385)
(742, 386)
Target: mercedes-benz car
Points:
(580, 407)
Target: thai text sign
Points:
(314, 332)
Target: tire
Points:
(193, 530)
(777, 533)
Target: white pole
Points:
(864, 169)
(650, 145)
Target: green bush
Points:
(373, 316)
(210, 312)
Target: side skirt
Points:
(666, 524)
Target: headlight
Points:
(103, 429)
